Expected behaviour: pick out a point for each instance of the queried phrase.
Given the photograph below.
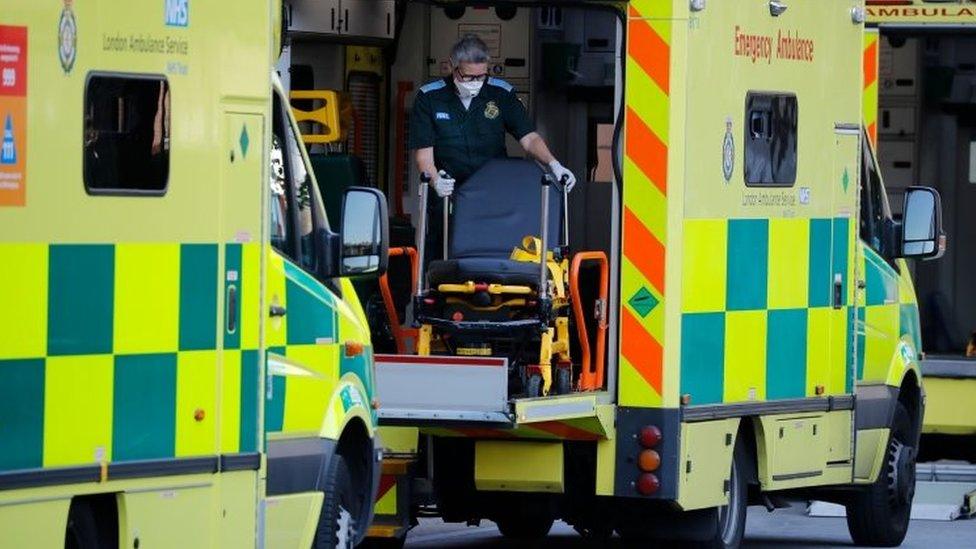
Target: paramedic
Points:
(459, 123)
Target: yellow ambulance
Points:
(183, 362)
(759, 338)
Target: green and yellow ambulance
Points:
(763, 336)
(183, 360)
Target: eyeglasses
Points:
(470, 77)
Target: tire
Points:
(563, 384)
(342, 508)
(82, 529)
(878, 515)
(526, 527)
(715, 528)
(533, 386)
(730, 520)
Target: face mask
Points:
(469, 89)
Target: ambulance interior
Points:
(927, 136)
(564, 63)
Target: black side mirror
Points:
(365, 236)
(922, 234)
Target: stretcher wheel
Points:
(533, 386)
(563, 384)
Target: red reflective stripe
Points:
(647, 150)
(644, 250)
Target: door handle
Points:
(838, 290)
(277, 310)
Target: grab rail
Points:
(400, 334)
(591, 379)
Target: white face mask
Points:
(469, 89)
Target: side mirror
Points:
(365, 236)
(922, 234)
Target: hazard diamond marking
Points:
(245, 141)
(643, 302)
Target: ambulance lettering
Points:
(177, 13)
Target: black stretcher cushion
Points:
(483, 269)
(498, 206)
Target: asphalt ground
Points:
(784, 528)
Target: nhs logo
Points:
(177, 13)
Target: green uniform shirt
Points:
(465, 139)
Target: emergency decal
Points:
(177, 13)
(728, 151)
(13, 116)
(491, 110)
(645, 198)
(67, 37)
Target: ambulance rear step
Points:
(446, 391)
(442, 390)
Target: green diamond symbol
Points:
(846, 180)
(244, 141)
(643, 302)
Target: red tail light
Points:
(649, 436)
(648, 484)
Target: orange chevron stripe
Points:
(873, 133)
(647, 150)
(644, 250)
(871, 64)
(642, 351)
(651, 52)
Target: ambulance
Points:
(184, 361)
(920, 70)
(758, 336)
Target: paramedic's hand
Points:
(443, 184)
(559, 171)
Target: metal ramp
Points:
(944, 491)
(472, 392)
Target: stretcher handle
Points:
(564, 181)
(421, 236)
(544, 234)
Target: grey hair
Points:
(469, 49)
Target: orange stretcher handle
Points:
(590, 379)
(400, 333)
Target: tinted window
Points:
(126, 134)
(872, 202)
(293, 218)
(770, 140)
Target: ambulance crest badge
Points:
(67, 37)
(728, 151)
(491, 110)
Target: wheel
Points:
(533, 386)
(878, 515)
(82, 530)
(730, 520)
(526, 526)
(716, 528)
(563, 384)
(342, 508)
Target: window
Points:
(293, 216)
(770, 142)
(872, 201)
(127, 131)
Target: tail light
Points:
(648, 484)
(649, 436)
(649, 460)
